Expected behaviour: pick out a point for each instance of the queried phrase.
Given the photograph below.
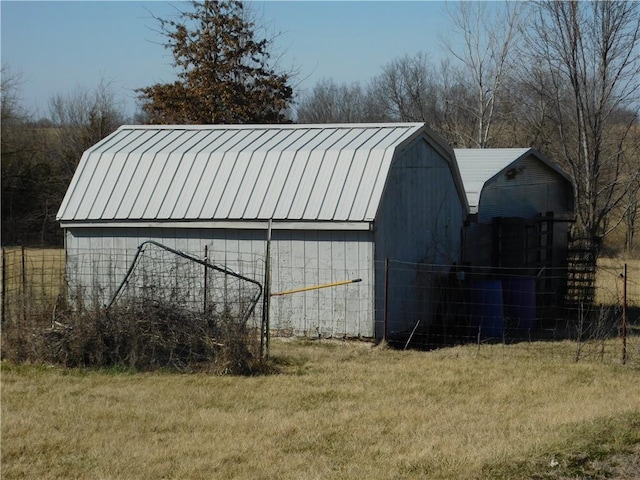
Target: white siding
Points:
(99, 260)
(312, 258)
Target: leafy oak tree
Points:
(223, 69)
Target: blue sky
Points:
(58, 47)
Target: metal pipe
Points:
(316, 287)
(218, 268)
(411, 336)
(206, 280)
(264, 334)
(24, 284)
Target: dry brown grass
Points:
(609, 285)
(337, 411)
(39, 273)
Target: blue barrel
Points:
(487, 308)
(520, 301)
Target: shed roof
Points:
(479, 165)
(236, 172)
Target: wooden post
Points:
(315, 287)
(206, 279)
(385, 318)
(624, 315)
(4, 284)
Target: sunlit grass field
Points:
(336, 410)
(609, 281)
(38, 272)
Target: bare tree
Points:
(82, 119)
(408, 89)
(590, 54)
(329, 102)
(10, 83)
(27, 172)
(489, 36)
(40, 157)
(526, 111)
(14, 151)
(455, 121)
(631, 202)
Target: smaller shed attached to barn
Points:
(515, 240)
(512, 182)
(339, 198)
(520, 206)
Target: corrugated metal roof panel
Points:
(477, 165)
(355, 178)
(257, 172)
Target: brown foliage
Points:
(142, 336)
(223, 71)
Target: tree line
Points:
(562, 77)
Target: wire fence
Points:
(159, 273)
(182, 308)
(411, 305)
(31, 278)
(104, 277)
(496, 308)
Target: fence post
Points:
(385, 315)
(206, 280)
(23, 276)
(624, 314)
(266, 297)
(4, 284)
(23, 271)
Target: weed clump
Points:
(143, 335)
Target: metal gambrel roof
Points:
(227, 172)
(479, 165)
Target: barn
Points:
(337, 200)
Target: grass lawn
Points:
(337, 410)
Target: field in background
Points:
(337, 410)
(45, 270)
(38, 271)
(609, 284)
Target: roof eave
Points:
(224, 224)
